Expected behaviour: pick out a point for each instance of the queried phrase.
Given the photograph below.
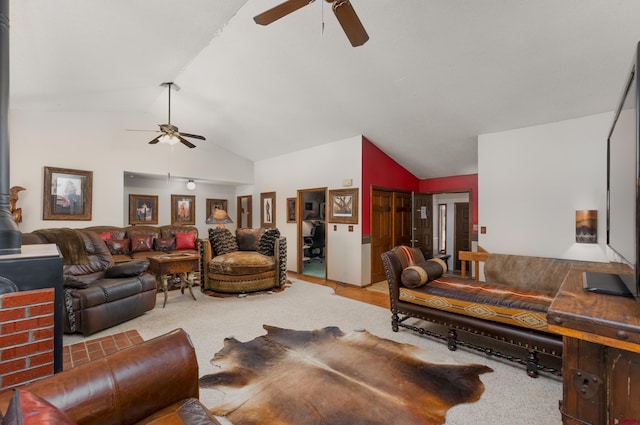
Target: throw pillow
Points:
(141, 243)
(128, 269)
(222, 241)
(185, 240)
(165, 244)
(268, 242)
(248, 239)
(26, 408)
(421, 273)
(106, 235)
(408, 256)
(118, 246)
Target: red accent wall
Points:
(378, 169)
(467, 182)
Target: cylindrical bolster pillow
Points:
(423, 272)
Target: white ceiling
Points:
(434, 74)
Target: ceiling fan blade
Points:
(195, 136)
(280, 11)
(350, 22)
(186, 142)
(156, 140)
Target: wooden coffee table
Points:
(182, 264)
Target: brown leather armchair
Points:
(154, 382)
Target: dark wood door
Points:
(461, 232)
(381, 231)
(401, 219)
(423, 223)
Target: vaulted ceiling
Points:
(433, 75)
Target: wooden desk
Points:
(601, 351)
(183, 264)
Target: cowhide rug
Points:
(328, 377)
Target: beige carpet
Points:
(510, 396)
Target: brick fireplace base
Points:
(83, 352)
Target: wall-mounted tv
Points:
(623, 175)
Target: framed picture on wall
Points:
(343, 207)
(143, 209)
(183, 209)
(268, 209)
(291, 210)
(66, 194)
(216, 204)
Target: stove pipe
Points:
(10, 238)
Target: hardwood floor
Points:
(353, 292)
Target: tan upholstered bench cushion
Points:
(241, 263)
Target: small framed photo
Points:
(216, 204)
(143, 209)
(291, 210)
(344, 206)
(183, 209)
(268, 209)
(66, 194)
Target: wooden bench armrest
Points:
(473, 256)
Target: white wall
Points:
(98, 142)
(323, 166)
(532, 180)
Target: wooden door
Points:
(244, 211)
(381, 231)
(401, 219)
(423, 223)
(461, 232)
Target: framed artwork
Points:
(216, 204)
(291, 210)
(66, 194)
(143, 209)
(587, 226)
(183, 209)
(344, 206)
(268, 209)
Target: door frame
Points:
(469, 193)
(300, 219)
(249, 199)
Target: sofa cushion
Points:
(185, 240)
(128, 269)
(423, 272)
(26, 408)
(241, 263)
(408, 256)
(222, 241)
(165, 244)
(248, 239)
(141, 243)
(268, 241)
(118, 246)
(524, 272)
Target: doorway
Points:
(244, 212)
(312, 232)
(456, 236)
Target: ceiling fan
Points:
(341, 8)
(170, 133)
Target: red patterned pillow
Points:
(106, 235)
(118, 246)
(141, 243)
(185, 240)
(26, 408)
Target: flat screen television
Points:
(623, 199)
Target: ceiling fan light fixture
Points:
(169, 139)
(191, 185)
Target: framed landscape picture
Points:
(66, 194)
(183, 209)
(268, 209)
(291, 210)
(343, 206)
(143, 209)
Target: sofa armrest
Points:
(131, 384)
(280, 256)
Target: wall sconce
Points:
(191, 185)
